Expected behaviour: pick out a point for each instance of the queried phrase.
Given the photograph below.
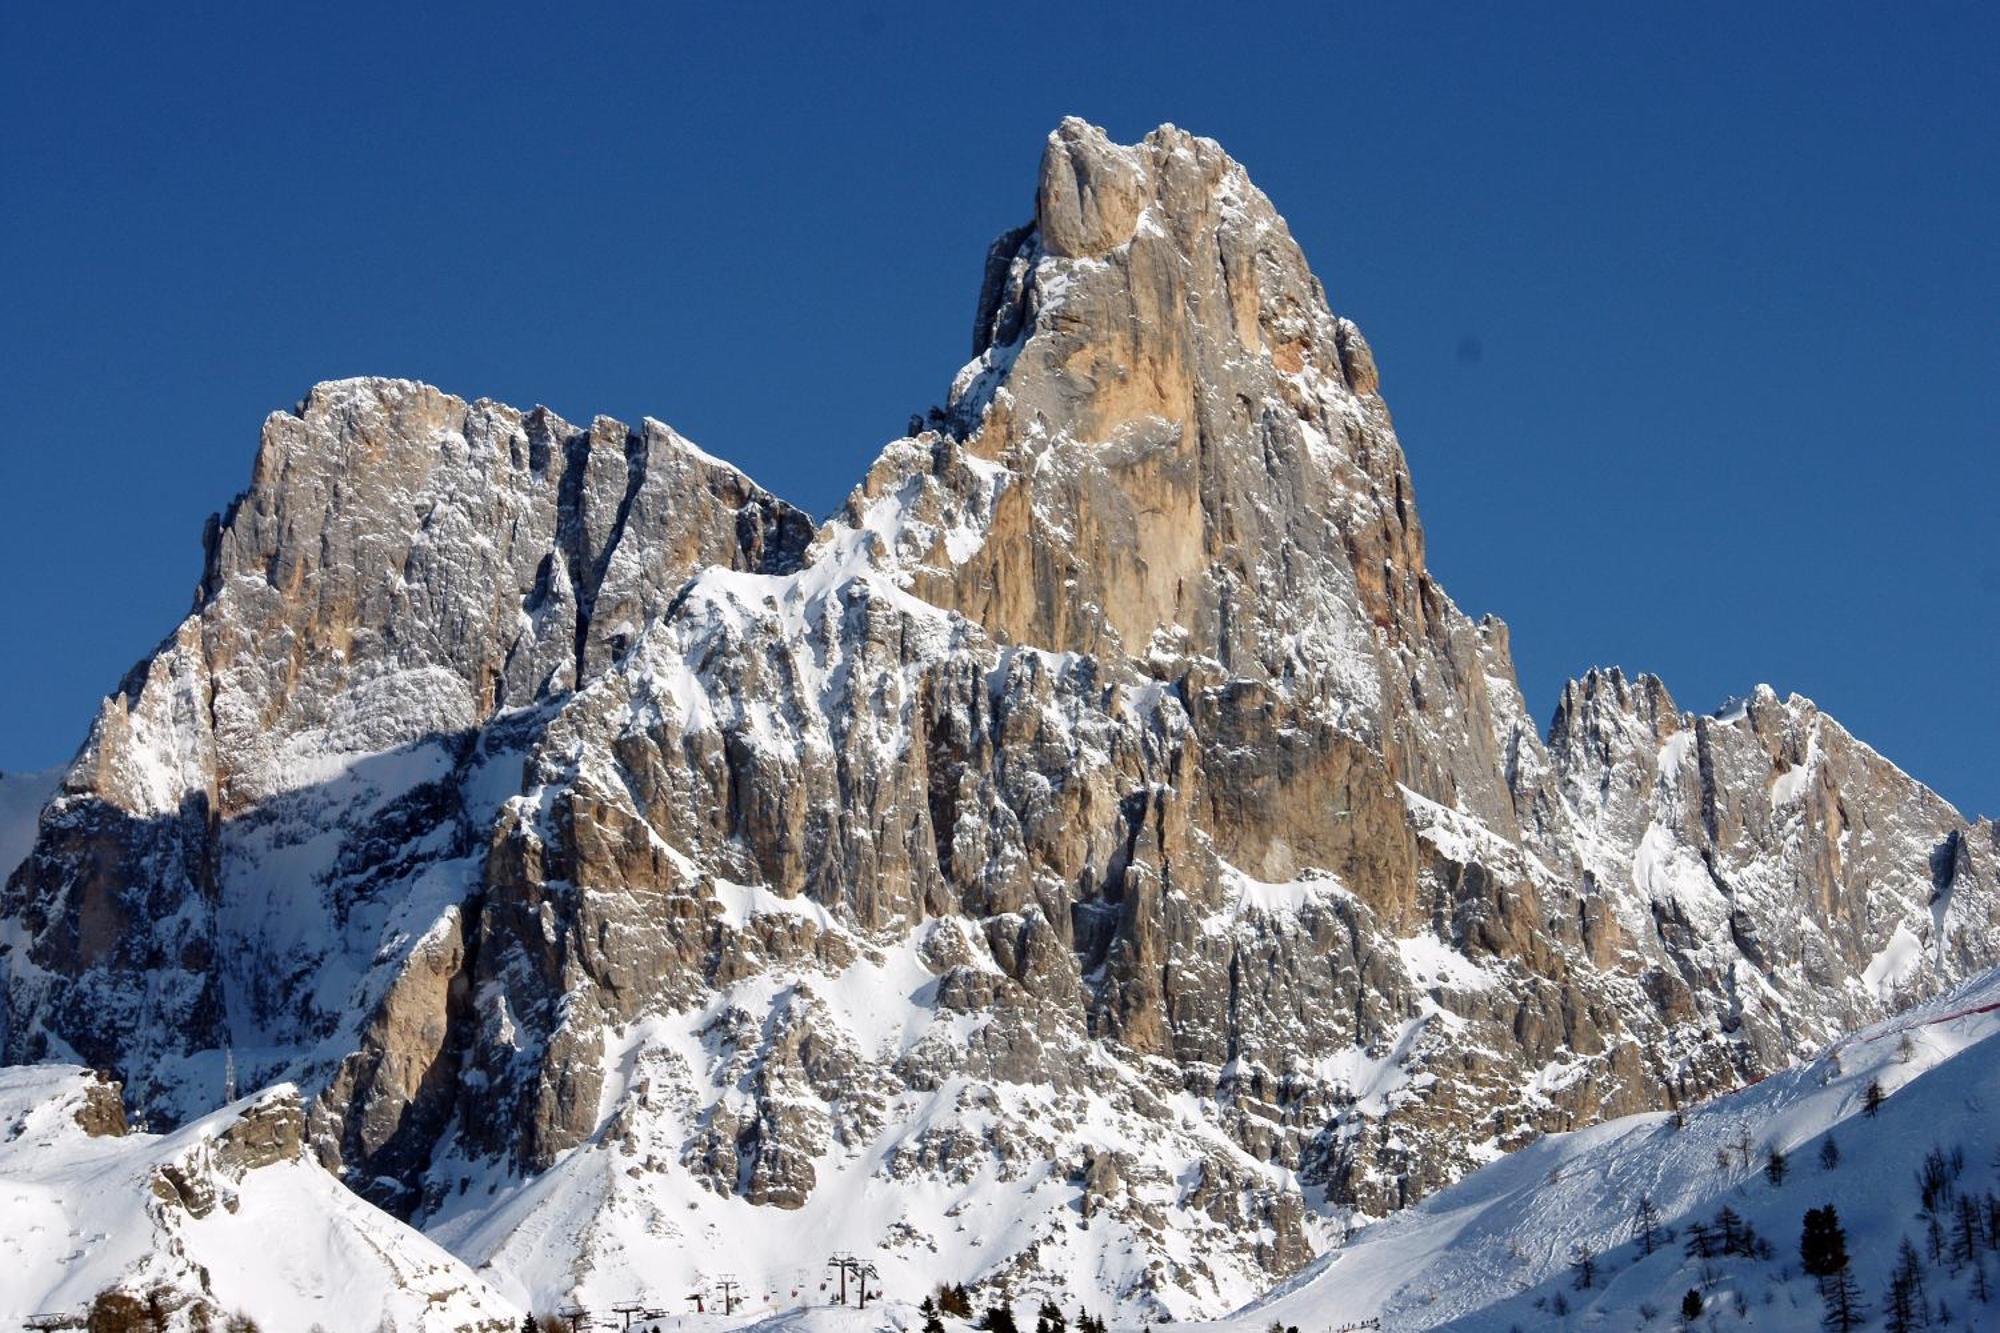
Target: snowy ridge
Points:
(207, 1215)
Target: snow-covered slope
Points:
(226, 1213)
(1496, 1251)
(1078, 1182)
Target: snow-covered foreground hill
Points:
(1497, 1250)
(225, 1215)
(229, 1213)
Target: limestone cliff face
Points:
(1103, 825)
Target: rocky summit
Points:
(1099, 857)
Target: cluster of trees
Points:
(115, 1310)
(1960, 1228)
(999, 1316)
(1727, 1236)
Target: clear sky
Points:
(1689, 315)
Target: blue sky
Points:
(1687, 313)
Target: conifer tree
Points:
(1872, 1099)
(1583, 1267)
(1690, 1308)
(1775, 1165)
(1842, 1295)
(1907, 1305)
(1646, 1225)
(1736, 1238)
(1935, 1181)
(1965, 1231)
(1823, 1243)
(1829, 1155)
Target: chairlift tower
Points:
(844, 1263)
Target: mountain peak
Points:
(551, 799)
(1092, 191)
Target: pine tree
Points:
(528, 1324)
(1965, 1231)
(1646, 1225)
(1690, 1308)
(1823, 1243)
(953, 1299)
(1829, 1155)
(1842, 1295)
(999, 1319)
(1775, 1165)
(1899, 1307)
(1908, 1304)
(1872, 1099)
(1736, 1238)
(1583, 1267)
(932, 1324)
(1700, 1241)
(1934, 1181)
